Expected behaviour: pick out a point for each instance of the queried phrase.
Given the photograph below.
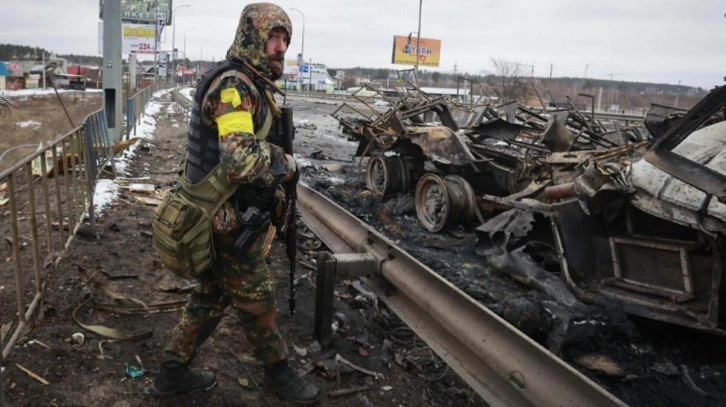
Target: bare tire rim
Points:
(433, 204)
(387, 175)
(463, 198)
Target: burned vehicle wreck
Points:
(650, 235)
(642, 233)
(450, 153)
(628, 216)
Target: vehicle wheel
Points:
(387, 175)
(433, 204)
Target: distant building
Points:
(4, 73)
(91, 74)
(308, 77)
(34, 77)
(27, 71)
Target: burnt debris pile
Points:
(617, 209)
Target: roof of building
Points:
(445, 91)
(37, 68)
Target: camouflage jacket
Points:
(237, 108)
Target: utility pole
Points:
(678, 92)
(418, 38)
(612, 98)
(112, 87)
(132, 72)
(201, 58)
(586, 67)
(302, 46)
(173, 42)
(186, 61)
(551, 70)
(157, 28)
(301, 56)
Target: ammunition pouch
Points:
(182, 226)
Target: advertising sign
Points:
(291, 69)
(404, 51)
(143, 11)
(136, 39)
(13, 67)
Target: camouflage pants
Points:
(242, 281)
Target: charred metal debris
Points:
(618, 211)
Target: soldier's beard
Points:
(276, 65)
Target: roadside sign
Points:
(135, 39)
(143, 11)
(404, 51)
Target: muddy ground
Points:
(659, 364)
(32, 119)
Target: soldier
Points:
(233, 114)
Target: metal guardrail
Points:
(501, 364)
(323, 95)
(50, 194)
(348, 98)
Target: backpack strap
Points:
(263, 131)
(209, 193)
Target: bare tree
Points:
(510, 78)
(435, 78)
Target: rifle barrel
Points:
(288, 131)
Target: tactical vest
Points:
(203, 140)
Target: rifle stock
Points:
(290, 196)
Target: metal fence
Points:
(50, 196)
(184, 103)
(135, 108)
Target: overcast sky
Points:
(663, 41)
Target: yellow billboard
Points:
(404, 51)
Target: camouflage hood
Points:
(254, 26)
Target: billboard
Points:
(143, 11)
(291, 69)
(404, 51)
(135, 39)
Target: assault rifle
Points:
(290, 222)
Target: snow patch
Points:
(28, 123)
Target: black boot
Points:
(175, 377)
(289, 385)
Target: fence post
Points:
(130, 113)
